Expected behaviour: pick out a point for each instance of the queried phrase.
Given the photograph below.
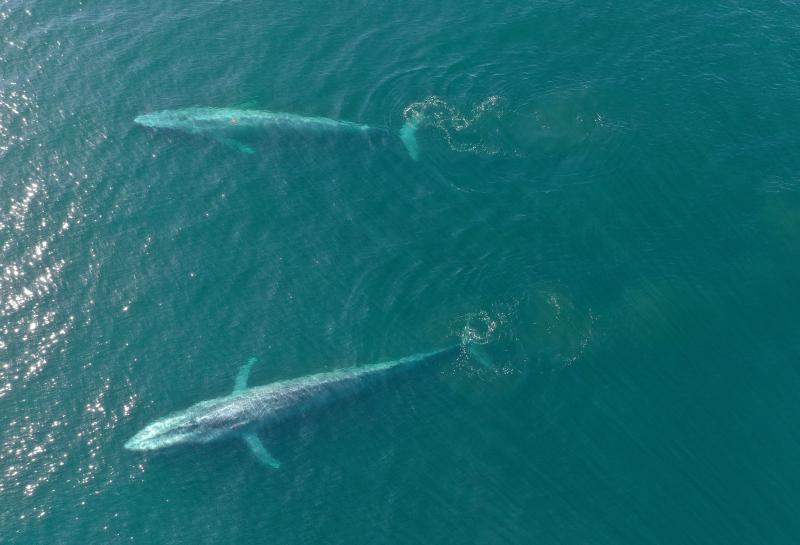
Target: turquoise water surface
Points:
(607, 197)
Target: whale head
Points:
(163, 120)
(190, 426)
(168, 119)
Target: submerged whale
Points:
(247, 410)
(229, 125)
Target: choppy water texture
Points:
(607, 194)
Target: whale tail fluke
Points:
(408, 134)
(479, 354)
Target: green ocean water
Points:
(607, 195)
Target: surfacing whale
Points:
(246, 410)
(229, 125)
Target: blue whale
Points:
(229, 125)
(246, 410)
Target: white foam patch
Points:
(475, 132)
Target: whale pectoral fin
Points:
(235, 144)
(260, 452)
(244, 374)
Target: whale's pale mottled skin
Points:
(228, 125)
(247, 410)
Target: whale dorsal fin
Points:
(244, 374)
(260, 452)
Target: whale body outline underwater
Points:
(226, 125)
